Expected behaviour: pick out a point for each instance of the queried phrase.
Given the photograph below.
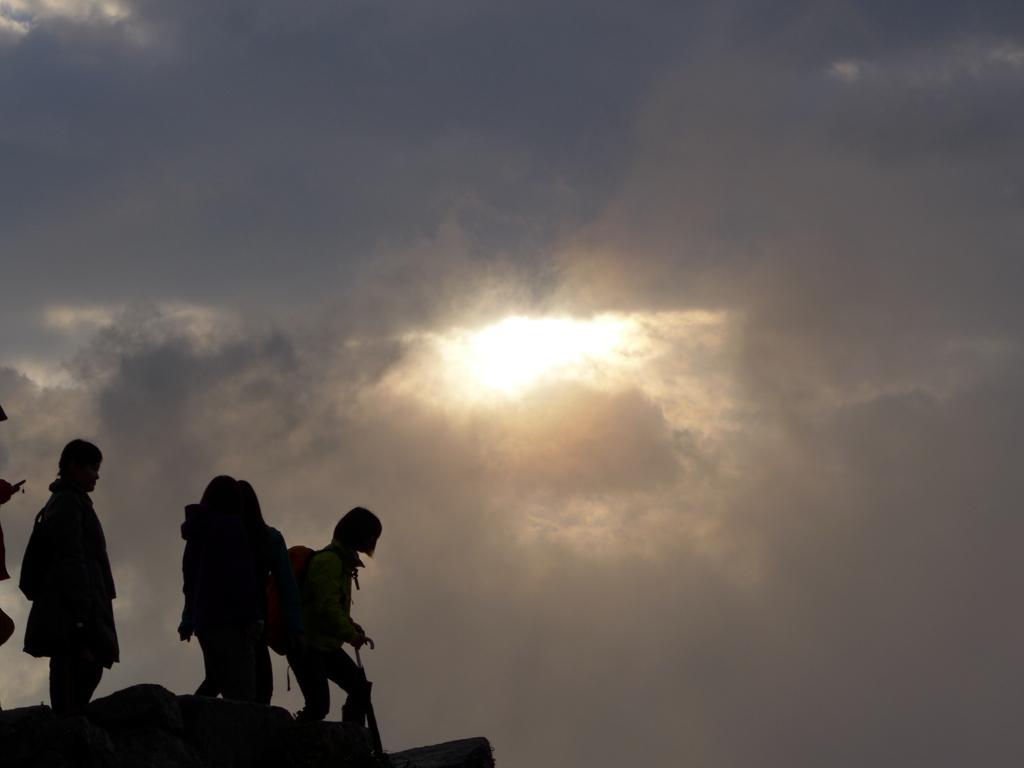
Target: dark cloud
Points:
(221, 143)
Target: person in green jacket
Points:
(326, 601)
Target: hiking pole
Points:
(371, 719)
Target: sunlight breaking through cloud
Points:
(518, 349)
(679, 360)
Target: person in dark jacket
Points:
(326, 602)
(72, 616)
(220, 589)
(6, 491)
(270, 558)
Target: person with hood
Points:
(72, 616)
(326, 602)
(270, 558)
(220, 589)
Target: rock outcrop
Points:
(465, 753)
(147, 726)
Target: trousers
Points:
(313, 668)
(264, 676)
(229, 660)
(72, 682)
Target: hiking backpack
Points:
(277, 628)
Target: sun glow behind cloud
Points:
(518, 349)
(550, 399)
(679, 360)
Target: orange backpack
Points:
(277, 627)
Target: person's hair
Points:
(356, 527)
(78, 452)
(255, 527)
(224, 494)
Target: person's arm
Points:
(325, 577)
(6, 491)
(185, 627)
(4, 575)
(189, 568)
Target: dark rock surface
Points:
(317, 745)
(152, 747)
(147, 726)
(465, 753)
(136, 707)
(231, 733)
(25, 733)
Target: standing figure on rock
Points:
(326, 601)
(270, 558)
(6, 491)
(66, 574)
(221, 604)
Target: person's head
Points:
(223, 494)
(359, 529)
(80, 464)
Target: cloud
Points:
(940, 65)
(774, 524)
(17, 17)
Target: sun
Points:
(519, 349)
(678, 359)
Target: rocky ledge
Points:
(147, 726)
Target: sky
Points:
(678, 346)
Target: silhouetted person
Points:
(269, 557)
(326, 601)
(72, 616)
(220, 589)
(6, 622)
(6, 491)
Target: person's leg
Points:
(208, 645)
(264, 672)
(87, 675)
(347, 676)
(311, 675)
(241, 685)
(72, 683)
(229, 660)
(208, 688)
(61, 684)
(237, 678)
